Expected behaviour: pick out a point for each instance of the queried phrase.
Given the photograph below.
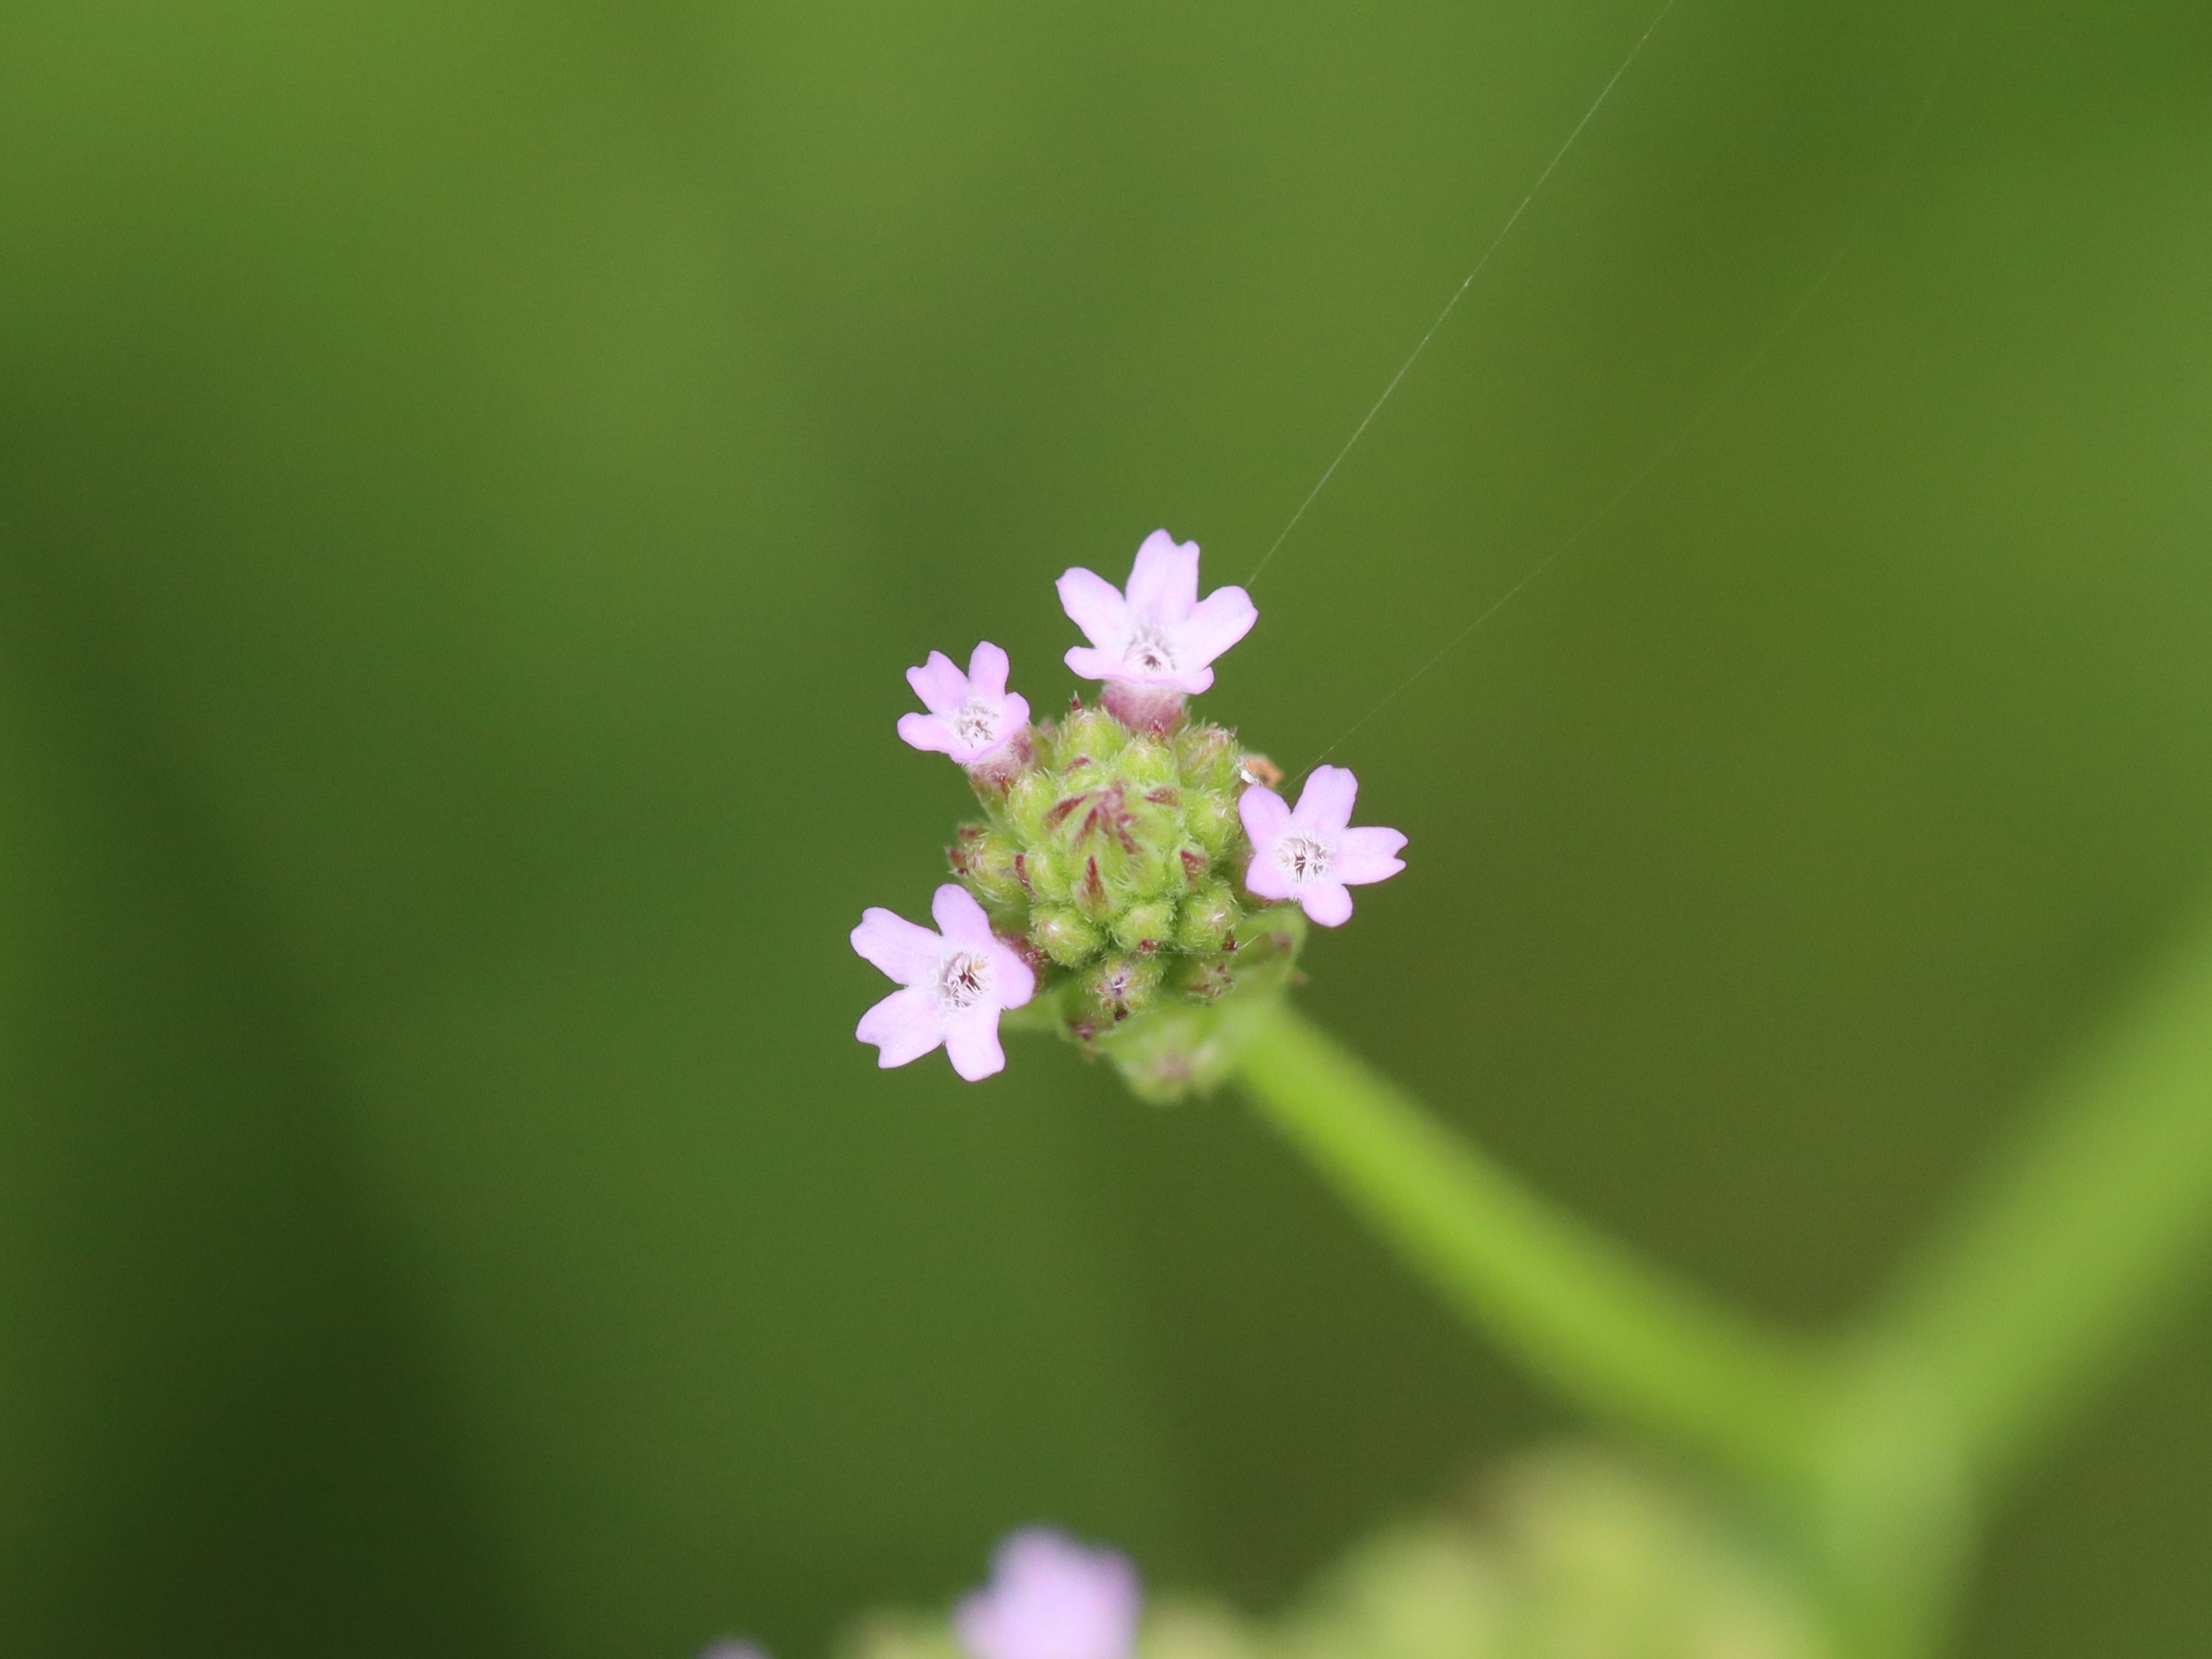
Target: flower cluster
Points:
(1134, 866)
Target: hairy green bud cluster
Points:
(1114, 856)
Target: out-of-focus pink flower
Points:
(1050, 1597)
(1308, 853)
(1159, 633)
(734, 1651)
(958, 981)
(972, 715)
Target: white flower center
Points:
(1304, 857)
(1148, 649)
(977, 724)
(963, 979)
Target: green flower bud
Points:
(1091, 734)
(1214, 822)
(1027, 799)
(1148, 764)
(1209, 921)
(1207, 756)
(1145, 927)
(1122, 985)
(1065, 935)
(985, 859)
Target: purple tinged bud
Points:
(1051, 1597)
(1146, 708)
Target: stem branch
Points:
(1622, 1338)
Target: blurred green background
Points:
(471, 478)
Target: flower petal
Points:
(1095, 605)
(1265, 818)
(1325, 803)
(1367, 854)
(940, 683)
(905, 950)
(1223, 617)
(930, 732)
(1266, 877)
(959, 918)
(987, 672)
(971, 1043)
(1326, 903)
(905, 1025)
(1091, 664)
(1014, 980)
(1164, 581)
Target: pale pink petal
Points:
(906, 951)
(932, 732)
(1018, 712)
(1095, 605)
(1326, 903)
(1014, 980)
(1050, 1597)
(1192, 680)
(1090, 664)
(1266, 877)
(1325, 805)
(1265, 818)
(905, 1025)
(1223, 617)
(940, 683)
(971, 1043)
(1163, 582)
(987, 673)
(1366, 855)
(959, 918)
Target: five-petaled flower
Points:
(1159, 633)
(972, 715)
(957, 982)
(1308, 853)
(1050, 1597)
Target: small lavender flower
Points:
(734, 1649)
(1308, 853)
(958, 981)
(972, 716)
(1050, 1597)
(1152, 644)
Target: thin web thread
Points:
(1666, 451)
(1452, 304)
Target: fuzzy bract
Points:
(1309, 852)
(957, 980)
(1051, 1597)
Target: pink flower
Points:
(1160, 633)
(1308, 854)
(1050, 1597)
(971, 715)
(958, 982)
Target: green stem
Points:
(2078, 1243)
(1623, 1339)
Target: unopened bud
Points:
(1065, 935)
(1123, 985)
(1209, 918)
(1152, 708)
(989, 861)
(1145, 928)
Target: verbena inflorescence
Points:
(1134, 870)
